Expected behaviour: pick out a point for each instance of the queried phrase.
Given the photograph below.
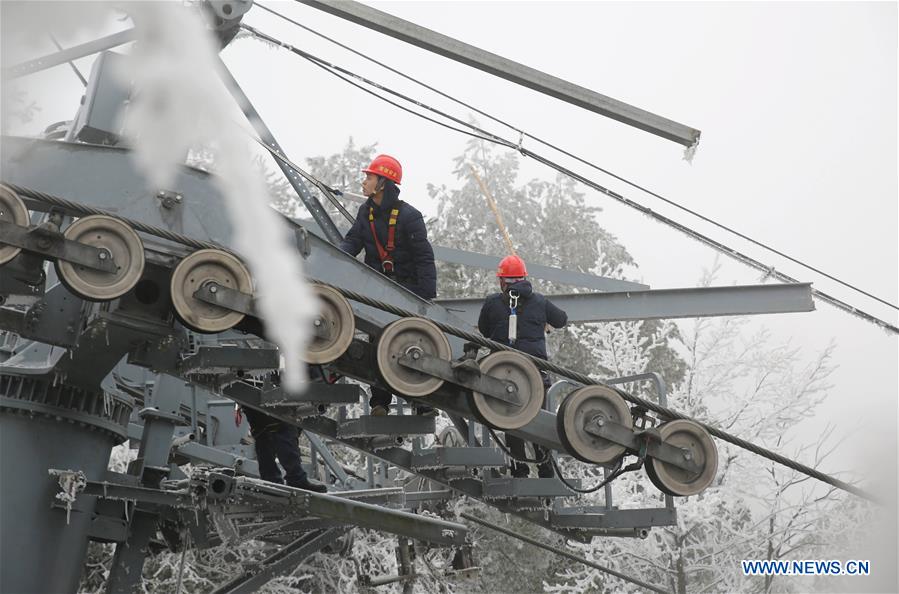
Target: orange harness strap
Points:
(385, 254)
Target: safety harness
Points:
(513, 316)
(385, 254)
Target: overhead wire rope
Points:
(343, 73)
(664, 412)
(612, 174)
(769, 271)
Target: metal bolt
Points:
(213, 289)
(317, 322)
(102, 255)
(510, 388)
(688, 455)
(416, 355)
(599, 421)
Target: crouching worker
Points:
(517, 316)
(395, 240)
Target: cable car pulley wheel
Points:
(395, 340)
(12, 210)
(336, 325)
(586, 406)
(198, 269)
(515, 368)
(112, 237)
(698, 444)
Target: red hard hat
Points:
(511, 267)
(386, 166)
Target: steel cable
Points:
(664, 412)
(546, 143)
(343, 73)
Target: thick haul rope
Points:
(662, 411)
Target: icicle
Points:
(690, 152)
(107, 403)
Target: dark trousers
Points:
(380, 397)
(276, 439)
(516, 446)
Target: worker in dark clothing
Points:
(517, 316)
(274, 438)
(395, 240)
(392, 232)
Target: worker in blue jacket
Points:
(395, 240)
(532, 312)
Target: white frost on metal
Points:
(690, 152)
(71, 482)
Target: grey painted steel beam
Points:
(700, 302)
(67, 55)
(556, 275)
(510, 70)
(309, 200)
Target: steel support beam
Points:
(286, 559)
(67, 55)
(510, 70)
(309, 200)
(700, 302)
(556, 275)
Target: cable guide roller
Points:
(592, 404)
(411, 335)
(209, 269)
(13, 211)
(334, 326)
(117, 242)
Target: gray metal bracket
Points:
(316, 393)
(226, 297)
(649, 438)
(577, 517)
(463, 373)
(67, 55)
(212, 359)
(53, 246)
(454, 456)
(367, 426)
(506, 488)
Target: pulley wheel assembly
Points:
(335, 326)
(697, 446)
(518, 370)
(195, 271)
(12, 210)
(590, 406)
(115, 239)
(400, 337)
